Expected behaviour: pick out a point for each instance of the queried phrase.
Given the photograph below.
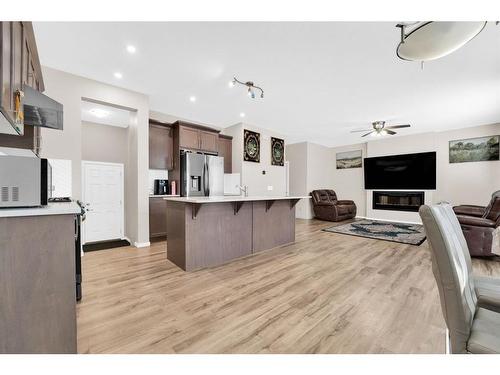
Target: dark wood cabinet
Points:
(189, 138)
(209, 141)
(157, 217)
(37, 284)
(161, 146)
(194, 138)
(20, 65)
(226, 150)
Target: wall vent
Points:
(15, 193)
(4, 194)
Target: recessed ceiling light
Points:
(131, 48)
(192, 99)
(100, 113)
(118, 75)
(242, 114)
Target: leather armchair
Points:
(478, 225)
(326, 206)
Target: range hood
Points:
(40, 110)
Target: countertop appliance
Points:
(201, 174)
(161, 187)
(24, 181)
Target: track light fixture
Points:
(250, 87)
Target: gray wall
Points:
(104, 143)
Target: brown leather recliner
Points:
(327, 207)
(478, 224)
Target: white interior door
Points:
(103, 197)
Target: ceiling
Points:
(321, 80)
(100, 113)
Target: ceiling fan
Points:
(380, 129)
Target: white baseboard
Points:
(142, 244)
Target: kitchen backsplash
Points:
(156, 174)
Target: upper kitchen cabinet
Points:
(20, 68)
(209, 140)
(197, 137)
(161, 146)
(226, 151)
(189, 138)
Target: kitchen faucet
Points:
(244, 189)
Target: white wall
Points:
(251, 173)
(296, 155)
(69, 90)
(349, 183)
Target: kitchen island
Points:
(209, 231)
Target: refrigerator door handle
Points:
(207, 179)
(203, 177)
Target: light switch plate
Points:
(270, 187)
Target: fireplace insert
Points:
(398, 200)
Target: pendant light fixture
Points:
(431, 40)
(250, 87)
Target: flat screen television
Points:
(408, 171)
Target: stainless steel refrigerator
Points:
(201, 175)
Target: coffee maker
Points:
(161, 187)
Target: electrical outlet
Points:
(269, 187)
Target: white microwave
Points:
(24, 181)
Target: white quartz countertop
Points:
(163, 195)
(63, 208)
(232, 199)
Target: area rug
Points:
(412, 234)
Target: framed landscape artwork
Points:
(251, 146)
(349, 159)
(277, 151)
(474, 149)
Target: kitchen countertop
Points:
(63, 208)
(163, 196)
(232, 199)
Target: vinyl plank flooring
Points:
(325, 293)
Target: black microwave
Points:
(24, 181)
